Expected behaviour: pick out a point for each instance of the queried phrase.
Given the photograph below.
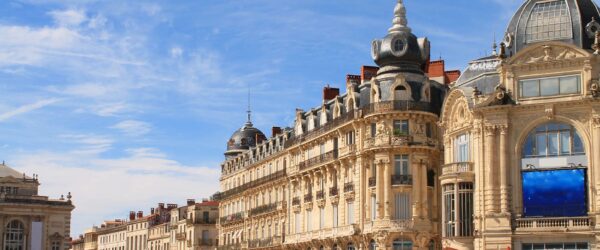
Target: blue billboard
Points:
(554, 193)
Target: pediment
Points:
(547, 53)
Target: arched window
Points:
(14, 237)
(372, 245)
(401, 93)
(400, 244)
(554, 172)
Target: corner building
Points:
(522, 136)
(358, 172)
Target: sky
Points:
(126, 104)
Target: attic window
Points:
(549, 21)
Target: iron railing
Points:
(402, 180)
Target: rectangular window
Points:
(551, 86)
(373, 207)
(350, 138)
(403, 206)
(553, 144)
(373, 130)
(350, 213)
(401, 127)
(541, 144)
(461, 153)
(321, 218)
(335, 216)
(401, 166)
(465, 203)
(449, 210)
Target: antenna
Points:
(249, 111)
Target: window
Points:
(373, 130)
(350, 138)
(55, 245)
(399, 45)
(350, 213)
(308, 220)
(401, 94)
(403, 206)
(321, 218)
(553, 139)
(549, 21)
(335, 216)
(399, 244)
(465, 212)
(401, 166)
(449, 211)
(14, 236)
(297, 222)
(461, 153)
(551, 86)
(373, 207)
(401, 127)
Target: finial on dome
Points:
(400, 23)
(249, 111)
(495, 47)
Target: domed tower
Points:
(243, 139)
(570, 21)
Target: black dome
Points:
(244, 138)
(570, 21)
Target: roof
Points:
(208, 203)
(6, 171)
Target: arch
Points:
(14, 235)
(401, 90)
(452, 98)
(350, 103)
(531, 169)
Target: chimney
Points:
(151, 210)
(436, 69)
(204, 200)
(259, 138)
(132, 215)
(191, 202)
(161, 205)
(140, 214)
(353, 78)
(330, 93)
(368, 72)
(452, 76)
(171, 206)
(275, 131)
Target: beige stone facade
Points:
(193, 227)
(29, 220)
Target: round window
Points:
(399, 46)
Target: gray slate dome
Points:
(570, 21)
(243, 138)
(400, 50)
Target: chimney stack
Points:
(151, 210)
(191, 202)
(132, 215)
(171, 206)
(204, 200)
(275, 131)
(368, 72)
(161, 205)
(330, 93)
(140, 214)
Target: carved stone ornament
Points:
(549, 111)
(549, 54)
(381, 237)
(595, 88)
(596, 121)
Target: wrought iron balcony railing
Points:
(348, 187)
(402, 180)
(372, 181)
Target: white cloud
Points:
(103, 187)
(27, 108)
(133, 127)
(89, 144)
(176, 52)
(68, 18)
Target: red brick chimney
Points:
(436, 68)
(452, 76)
(330, 93)
(140, 214)
(132, 215)
(353, 78)
(275, 131)
(368, 72)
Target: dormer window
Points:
(551, 86)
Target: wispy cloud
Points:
(133, 127)
(27, 108)
(69, 18)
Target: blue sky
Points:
(130, 103)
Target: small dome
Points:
(400, 50)
(243, 139)
(570, 21)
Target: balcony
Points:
(334, 191)
(322, 234)
(554, 224)
(206, 242)
(384, 140)
(320, 195)
(372, 182)
(296, 201)
(348, 187)
(402, 180)
(308, 198)
(180, 236)
(326, 157)
(230, 247)
(200, 221)
(263, 209)
(240, 189)
(232, 218)
(388, 106)
(457, 168)
(260, 243)
(328, 127)
(347, 150)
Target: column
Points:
(379, 187)
(425, 189)
(387, 189)
(490, 133)
(504, 168)
(416, 197)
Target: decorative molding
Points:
(596, 121)
(549, 53)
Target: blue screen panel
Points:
(554, 193)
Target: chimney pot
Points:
(151, 210)
(368, 72)
(131, 215)
(330, 93)
(140, 214)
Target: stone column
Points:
(504, 171)
(380, 192)
(423, 184)
(387, 189)
(416, 196)
(596, 157)
(490, 175)
(364, 187)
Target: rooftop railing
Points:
(277, 175)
